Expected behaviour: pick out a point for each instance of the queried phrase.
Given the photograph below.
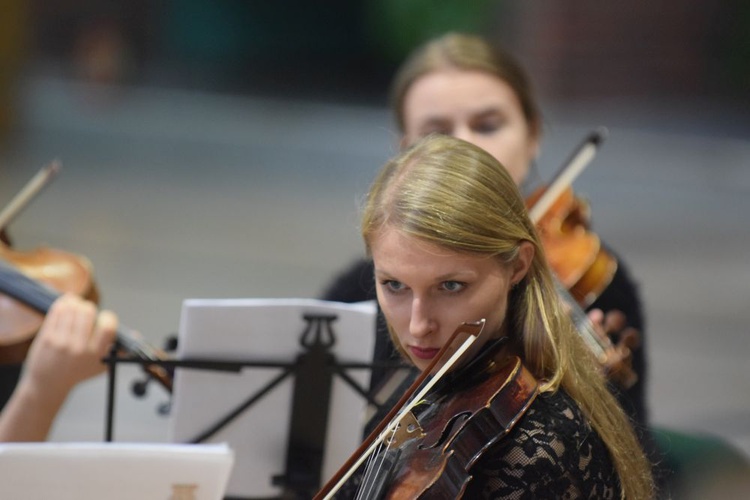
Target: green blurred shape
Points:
(395, 27)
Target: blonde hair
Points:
(450, 193)
(469, 53)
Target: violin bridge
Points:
(408, 428)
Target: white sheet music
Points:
(265, 330)
(115, 471)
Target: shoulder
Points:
(549, 432)
(354, 284)
(552, 452)
(623, 278)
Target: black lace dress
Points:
(552, 452)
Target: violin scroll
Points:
(164, 376)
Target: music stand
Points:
(115, 471)
(289, 441)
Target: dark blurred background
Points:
(347, 50)
(219, 148)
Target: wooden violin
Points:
(457, 408)
(574, 252)
(39, 297)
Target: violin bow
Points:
(28, 192)
(570, 170)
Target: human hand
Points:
(618, 353)
(70, 345)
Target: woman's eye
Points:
(487, 126)
(392, 285)
(453, 286)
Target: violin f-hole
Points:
(456, 421)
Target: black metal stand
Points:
(111, 379)
(314, 369)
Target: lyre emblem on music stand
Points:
(183, 492)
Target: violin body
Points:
(457, 409)
(62, 271)
(438, 449)
(574, 252)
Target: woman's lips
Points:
(423, 352)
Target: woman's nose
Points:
(422, 323)
(463, 132)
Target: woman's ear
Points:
(523, 261)
(534, 146)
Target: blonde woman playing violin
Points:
(451, 243)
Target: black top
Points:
(552, 452)
(9, 375)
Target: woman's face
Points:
(474, 106)
(426, 291)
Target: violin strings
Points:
(19, 286)
(372, 470)
(379, 458)
(128, 338)
(40, 297)
(428, 385)
(582, 322)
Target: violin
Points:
(31, 281)
(574, 252)
(581, 265)
(457, 408)
(39, 298)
